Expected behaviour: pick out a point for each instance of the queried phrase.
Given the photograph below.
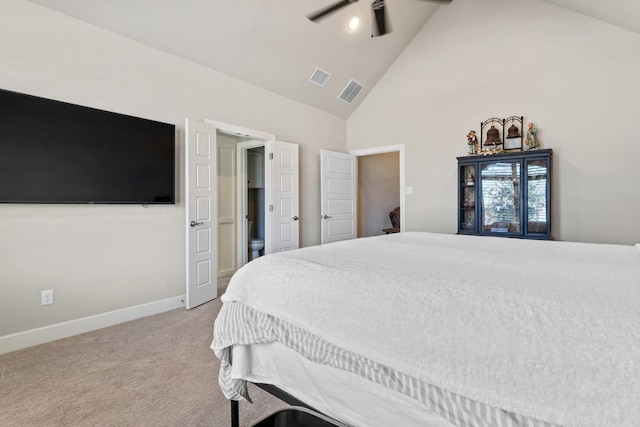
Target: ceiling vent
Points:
(350, 91)
(319, 77)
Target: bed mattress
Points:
(483, 331)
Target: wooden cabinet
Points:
(255, 169)
(506, 194)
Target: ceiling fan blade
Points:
(329, 10)
(381, 24)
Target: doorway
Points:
(383, 167)
(252, 195)
(268, 188)
(340, 186)
(378, 193)
(214, 224)
(233, 144)
(260, 210)
(241, 201)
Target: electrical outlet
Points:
(46, 297)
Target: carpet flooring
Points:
(154, 371)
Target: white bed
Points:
(327, 388)
(446, 329)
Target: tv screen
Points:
(55, 152)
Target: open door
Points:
(201, 213)
(338, 196)
(282, 197)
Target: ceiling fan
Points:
(380, 21)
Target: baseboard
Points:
(57, 331)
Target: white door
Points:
(282, 198)
(338, 196)
(201, 213)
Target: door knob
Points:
(193, 223)
(295, 218)
(326, 216)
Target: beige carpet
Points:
(155, 371)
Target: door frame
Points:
(242, 234)
(403, 190)
(240, 131)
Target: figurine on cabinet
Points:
(472, 142)
(532, 137)
(470, 179)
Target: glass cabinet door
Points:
(500, 199)
(467, 200)
(537, 196)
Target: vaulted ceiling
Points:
(271, 44)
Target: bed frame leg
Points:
(235, 414)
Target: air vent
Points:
(319, 77)
(350, 91)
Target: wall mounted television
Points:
(56, 152)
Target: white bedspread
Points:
(550, 330)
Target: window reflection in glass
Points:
(537, 175)
(501, 197)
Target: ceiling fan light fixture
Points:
(380, 22)
(353, 23)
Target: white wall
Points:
(575, 77)
(102, 258)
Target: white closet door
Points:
(338, 196)
(282, 210)
(201, 216)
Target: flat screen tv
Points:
(55, 152)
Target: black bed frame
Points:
(274, 391)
